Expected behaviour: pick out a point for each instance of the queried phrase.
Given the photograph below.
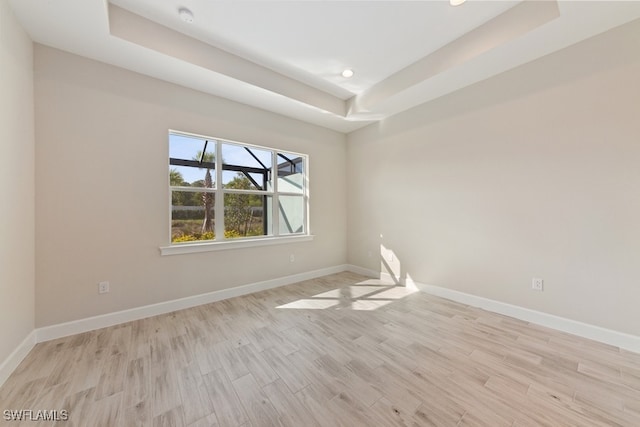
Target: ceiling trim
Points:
(515, 22)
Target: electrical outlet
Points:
(292, 258)
(103, 287)
(537, 284)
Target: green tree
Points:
(238, 215)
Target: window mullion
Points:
(254, 192)
(192, 189)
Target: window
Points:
(228, 191)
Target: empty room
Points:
(319, 213)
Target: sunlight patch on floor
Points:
(362, 296)
(311, 304)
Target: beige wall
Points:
(102, 196)
(17, 253)
(533, 173)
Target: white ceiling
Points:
(287, 56)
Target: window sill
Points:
(190, 248)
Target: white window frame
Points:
(221, 242)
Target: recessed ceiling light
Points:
(347, 73)
(456, 2)
(185, 14)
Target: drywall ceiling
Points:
(287, 56)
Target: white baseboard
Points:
(11, 363)
(96, 322)
(585, 330)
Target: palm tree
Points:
(175, 177)
(207, 197)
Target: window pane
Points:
(291, 214)
(246, 215)
(191, 161)
(290, 173)
(245, 167)
(192, 216)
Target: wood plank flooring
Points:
(341, 350)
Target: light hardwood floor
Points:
(342, 350)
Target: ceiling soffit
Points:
(367, 106)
